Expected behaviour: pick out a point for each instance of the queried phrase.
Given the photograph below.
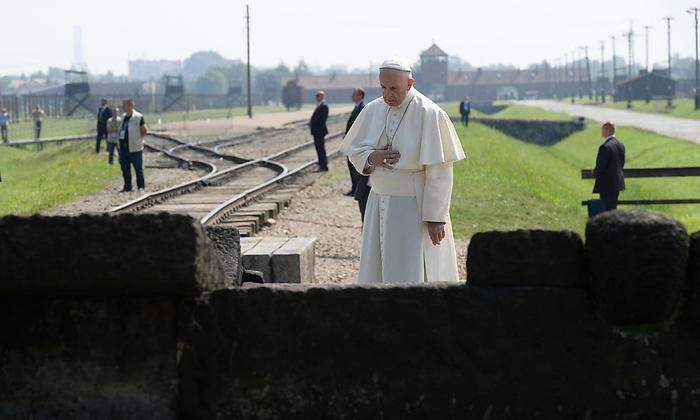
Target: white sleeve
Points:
(438, 192)
(358, 144)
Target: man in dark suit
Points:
(319, 130)
(104, 113)
(358, 97)
(609, 178)
(465, 108)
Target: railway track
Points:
(244, 192)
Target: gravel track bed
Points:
(276, 142)
(322, 210)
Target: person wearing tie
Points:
(358, 97)
(608, 172)
(104, 113)
(319, 129)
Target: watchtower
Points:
(174, 91)
(433, 72)
(76, 91)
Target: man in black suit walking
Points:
(465, 108)
(358, 97)
(609, 178)
(104, 113)
(319, 130)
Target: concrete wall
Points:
(546, 327)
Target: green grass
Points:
(508, 184)
(32, 181)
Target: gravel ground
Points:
(103, 200)
(265, 146)
(322, 210)
(240, 124)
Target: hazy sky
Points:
(39, 33)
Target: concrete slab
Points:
(294, 261)
(259, 256)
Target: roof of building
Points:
(433, 50)
(504, 77)
(644, 75)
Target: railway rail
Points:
(237, 191)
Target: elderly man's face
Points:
(128, 107)
(395, 85)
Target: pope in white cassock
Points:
(407, 145)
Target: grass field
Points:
(504, 183)
(32, 181)
(508, 184)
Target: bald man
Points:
(407, 145)
(608, 172)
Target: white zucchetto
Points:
(395, 63)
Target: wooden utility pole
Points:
(630, 57)
(567, 83)
(694, 10)
(646, 46)
(646, 63)
(588, 74)
(579, 71)
(668, 26)
(247, 28)
(614, 64)
(602, 79)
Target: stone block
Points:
(694, 262)
(526, 258)
(259, 256)
(638, 265)
(103, 255)
(294, 261)
(85, 358)
(227, 244)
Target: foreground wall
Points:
(545, 328)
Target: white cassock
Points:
(396, 247)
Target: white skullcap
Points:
(395, 63)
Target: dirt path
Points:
(681, 128)
(322, 210)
